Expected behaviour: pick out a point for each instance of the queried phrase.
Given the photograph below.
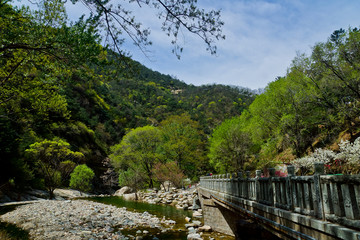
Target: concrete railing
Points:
(335, 198)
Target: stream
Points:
(50, 211)
(169, 212)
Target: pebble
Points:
(77, 219)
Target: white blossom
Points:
(319, 155)
(350, 152)
(349, 155)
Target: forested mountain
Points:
(64, 99)
(315, 105)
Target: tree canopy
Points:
(115, 19)
(316, 104)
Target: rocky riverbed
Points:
(82, 219)
(179, 198)
(79, 219)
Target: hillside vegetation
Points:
(316, 105)
(65, 99)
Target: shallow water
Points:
(179, 231)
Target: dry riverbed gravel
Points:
(79, 219)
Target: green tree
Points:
(137, 152)
(230, 145)
(81, 178)
(48, 156)
(183, 143)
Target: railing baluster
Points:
(335, 198)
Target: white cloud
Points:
(262, 39)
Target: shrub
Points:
(81, 178)
(346, 161)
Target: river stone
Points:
(60, 194)
(130, 197)
(122, 191)
(188, 225)
(194, 236)
(196, 223)
(197, 214)
(187, 219)
(205, 228)
(191, 230)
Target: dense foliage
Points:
(314, 105)
(60, 89)
(65, 100)
(81, 178)
(148, 153)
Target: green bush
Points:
(81, 178)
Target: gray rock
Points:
(205, 228)
(68, 193)
(122, 191)
(197, 214)
(194, 236)
(191, 230)
(196, 223)
(130, 197)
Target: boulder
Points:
(61, 194)
(122, 191)
(205, 228)
(197, 214)
(130, 197)
(196, 223)
(194, 236)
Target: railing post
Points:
(219, 183)
(233, 185)
(271, 189)
(247, 183)
(228, 183)
(257, 185)
(223, 183)
(317, 193)
(289, 187)
(240, 184)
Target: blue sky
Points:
(262, 37)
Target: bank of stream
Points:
(9, 230)
(162, 211)
(95, 218)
